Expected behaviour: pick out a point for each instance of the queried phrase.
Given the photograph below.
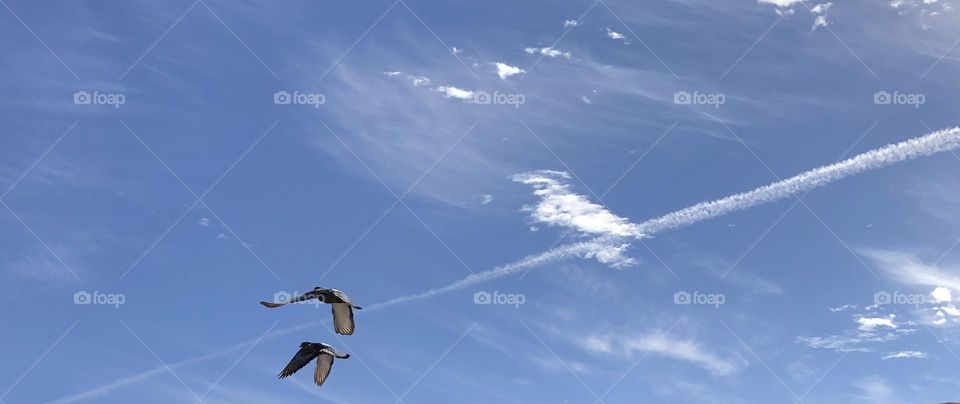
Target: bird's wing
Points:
(324, 364)
(343, 318)
(301, 359)
(342, 296)
(305, 296)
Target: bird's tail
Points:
(357, 307)
(270, 305)
(342, 355)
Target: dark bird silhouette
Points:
(341, 306)
(308, 351)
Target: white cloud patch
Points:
(504, 70)
(455, 92)
(820, 10)
(780, 3)
(820, 21)
(204, 221)
(941, 294)
(418, 81)
(783, 7)
(616, 36)
(486, 198)
(871, 323)
(570, 23)
(842, 308)
(905, 355)
(560, 206)
(548, 51)
(925, 10)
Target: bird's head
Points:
(305, 344)
(318, 289)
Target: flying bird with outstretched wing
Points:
(323, 353)
(340, 304)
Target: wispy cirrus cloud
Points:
(908, 269)
(667, 346)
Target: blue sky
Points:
(178, 162)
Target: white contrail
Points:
(581, 249)
(132, 379)
(936, 142)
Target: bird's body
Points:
(340, 305)
(323, 353)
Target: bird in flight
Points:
(308, 351)
(341, 306)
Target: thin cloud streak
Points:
(933, 143)
(107, 388)
(582, 249)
